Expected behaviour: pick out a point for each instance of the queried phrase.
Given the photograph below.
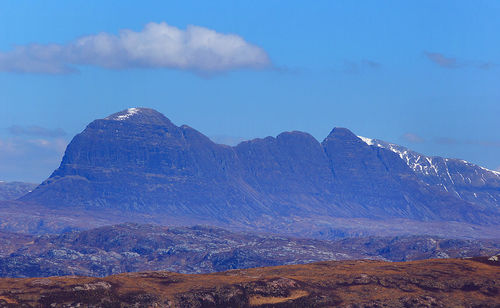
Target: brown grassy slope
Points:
(437, 283)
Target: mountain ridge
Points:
(449, 174)
(138, 160)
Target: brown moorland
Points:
(362, 283)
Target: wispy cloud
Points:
(158, 45)
(413, 138)
(442, 60)
(23, 146)
(477, 142)
(354, 67)
(484, 143)
(371, 64)
(36, 131)
(487, 65)
(446, 141)
(449, 62)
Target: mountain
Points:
(132, 247)
(429, 283)
(467, 181)
(137, 161)
(14, 190)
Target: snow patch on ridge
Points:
(130, 112)
(367, 140)
(426, 165)
(492, 171)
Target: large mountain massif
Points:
(138, 160)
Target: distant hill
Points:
(14, 190)
(200, 249)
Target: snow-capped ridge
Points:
(406, 154)
(368, 141)
(130, 112)
(489, 170)
(125, 114)
(450, 174)
(140, 115)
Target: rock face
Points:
(132, 247)
(137, 160)
(429, 283)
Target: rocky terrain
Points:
(429, 283)
(14, 190)
(132, 247)
(137, 163)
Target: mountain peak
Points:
(342, 133)
(140, 115)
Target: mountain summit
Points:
(137, 160)
(140, 116)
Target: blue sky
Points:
(424, 74)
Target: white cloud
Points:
(158, 45)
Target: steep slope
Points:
(465, 180)
(290, 173)
(429, 283)
(138, 161)
(377, 183)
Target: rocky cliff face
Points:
(137, 160)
